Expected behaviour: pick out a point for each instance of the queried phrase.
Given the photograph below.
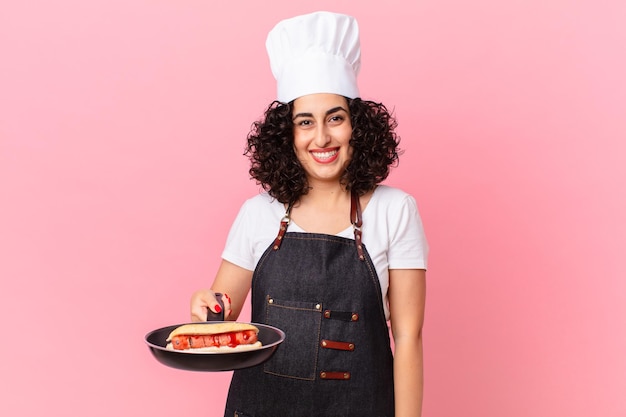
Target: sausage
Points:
(230, 339)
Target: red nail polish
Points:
(218, 309)
(227, 297)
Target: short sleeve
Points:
(239, 246)
(408, 247)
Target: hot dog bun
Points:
(214, 337)
(211, 328)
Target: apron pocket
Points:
(296, 357)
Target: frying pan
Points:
(270, 337)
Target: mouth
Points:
(325, 156)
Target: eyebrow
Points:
(328, 112)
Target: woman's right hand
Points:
(204, 300)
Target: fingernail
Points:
(227, 297)
(218, 309)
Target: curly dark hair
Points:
(275, 166)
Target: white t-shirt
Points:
(393, 233)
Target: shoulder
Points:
(392, 209)
(261, 199)
(253, 230)
(259, 210)
(390, 192)
(261, 202)
(388, 197)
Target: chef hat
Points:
(315, 53)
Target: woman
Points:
(329, 254)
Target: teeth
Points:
(324, 155)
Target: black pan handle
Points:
(211, 316)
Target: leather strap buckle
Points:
(341, 375)
(337, 345)
(341, 315)
(283, 228)
(357, 221)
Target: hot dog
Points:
(214, 337)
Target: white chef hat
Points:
(315, 53)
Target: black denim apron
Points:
(336, 360)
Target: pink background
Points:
(122, 127)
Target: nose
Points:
(322, 137)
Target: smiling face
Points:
(322, 132)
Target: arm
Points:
(230, 279)
(407, 296)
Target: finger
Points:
(227, 305)
(216, 308)
(226, 301)
(200, 301)
(199, 314)
(215, 305)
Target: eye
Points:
(304, 123)
(336, 118)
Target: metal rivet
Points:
(351, 346)
(323, 375)
(324, 343)
(346, 375)
(271, 301)
(355, 317)
(318, 307)
(327, 314)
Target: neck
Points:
(323, 209)
(327, 192)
